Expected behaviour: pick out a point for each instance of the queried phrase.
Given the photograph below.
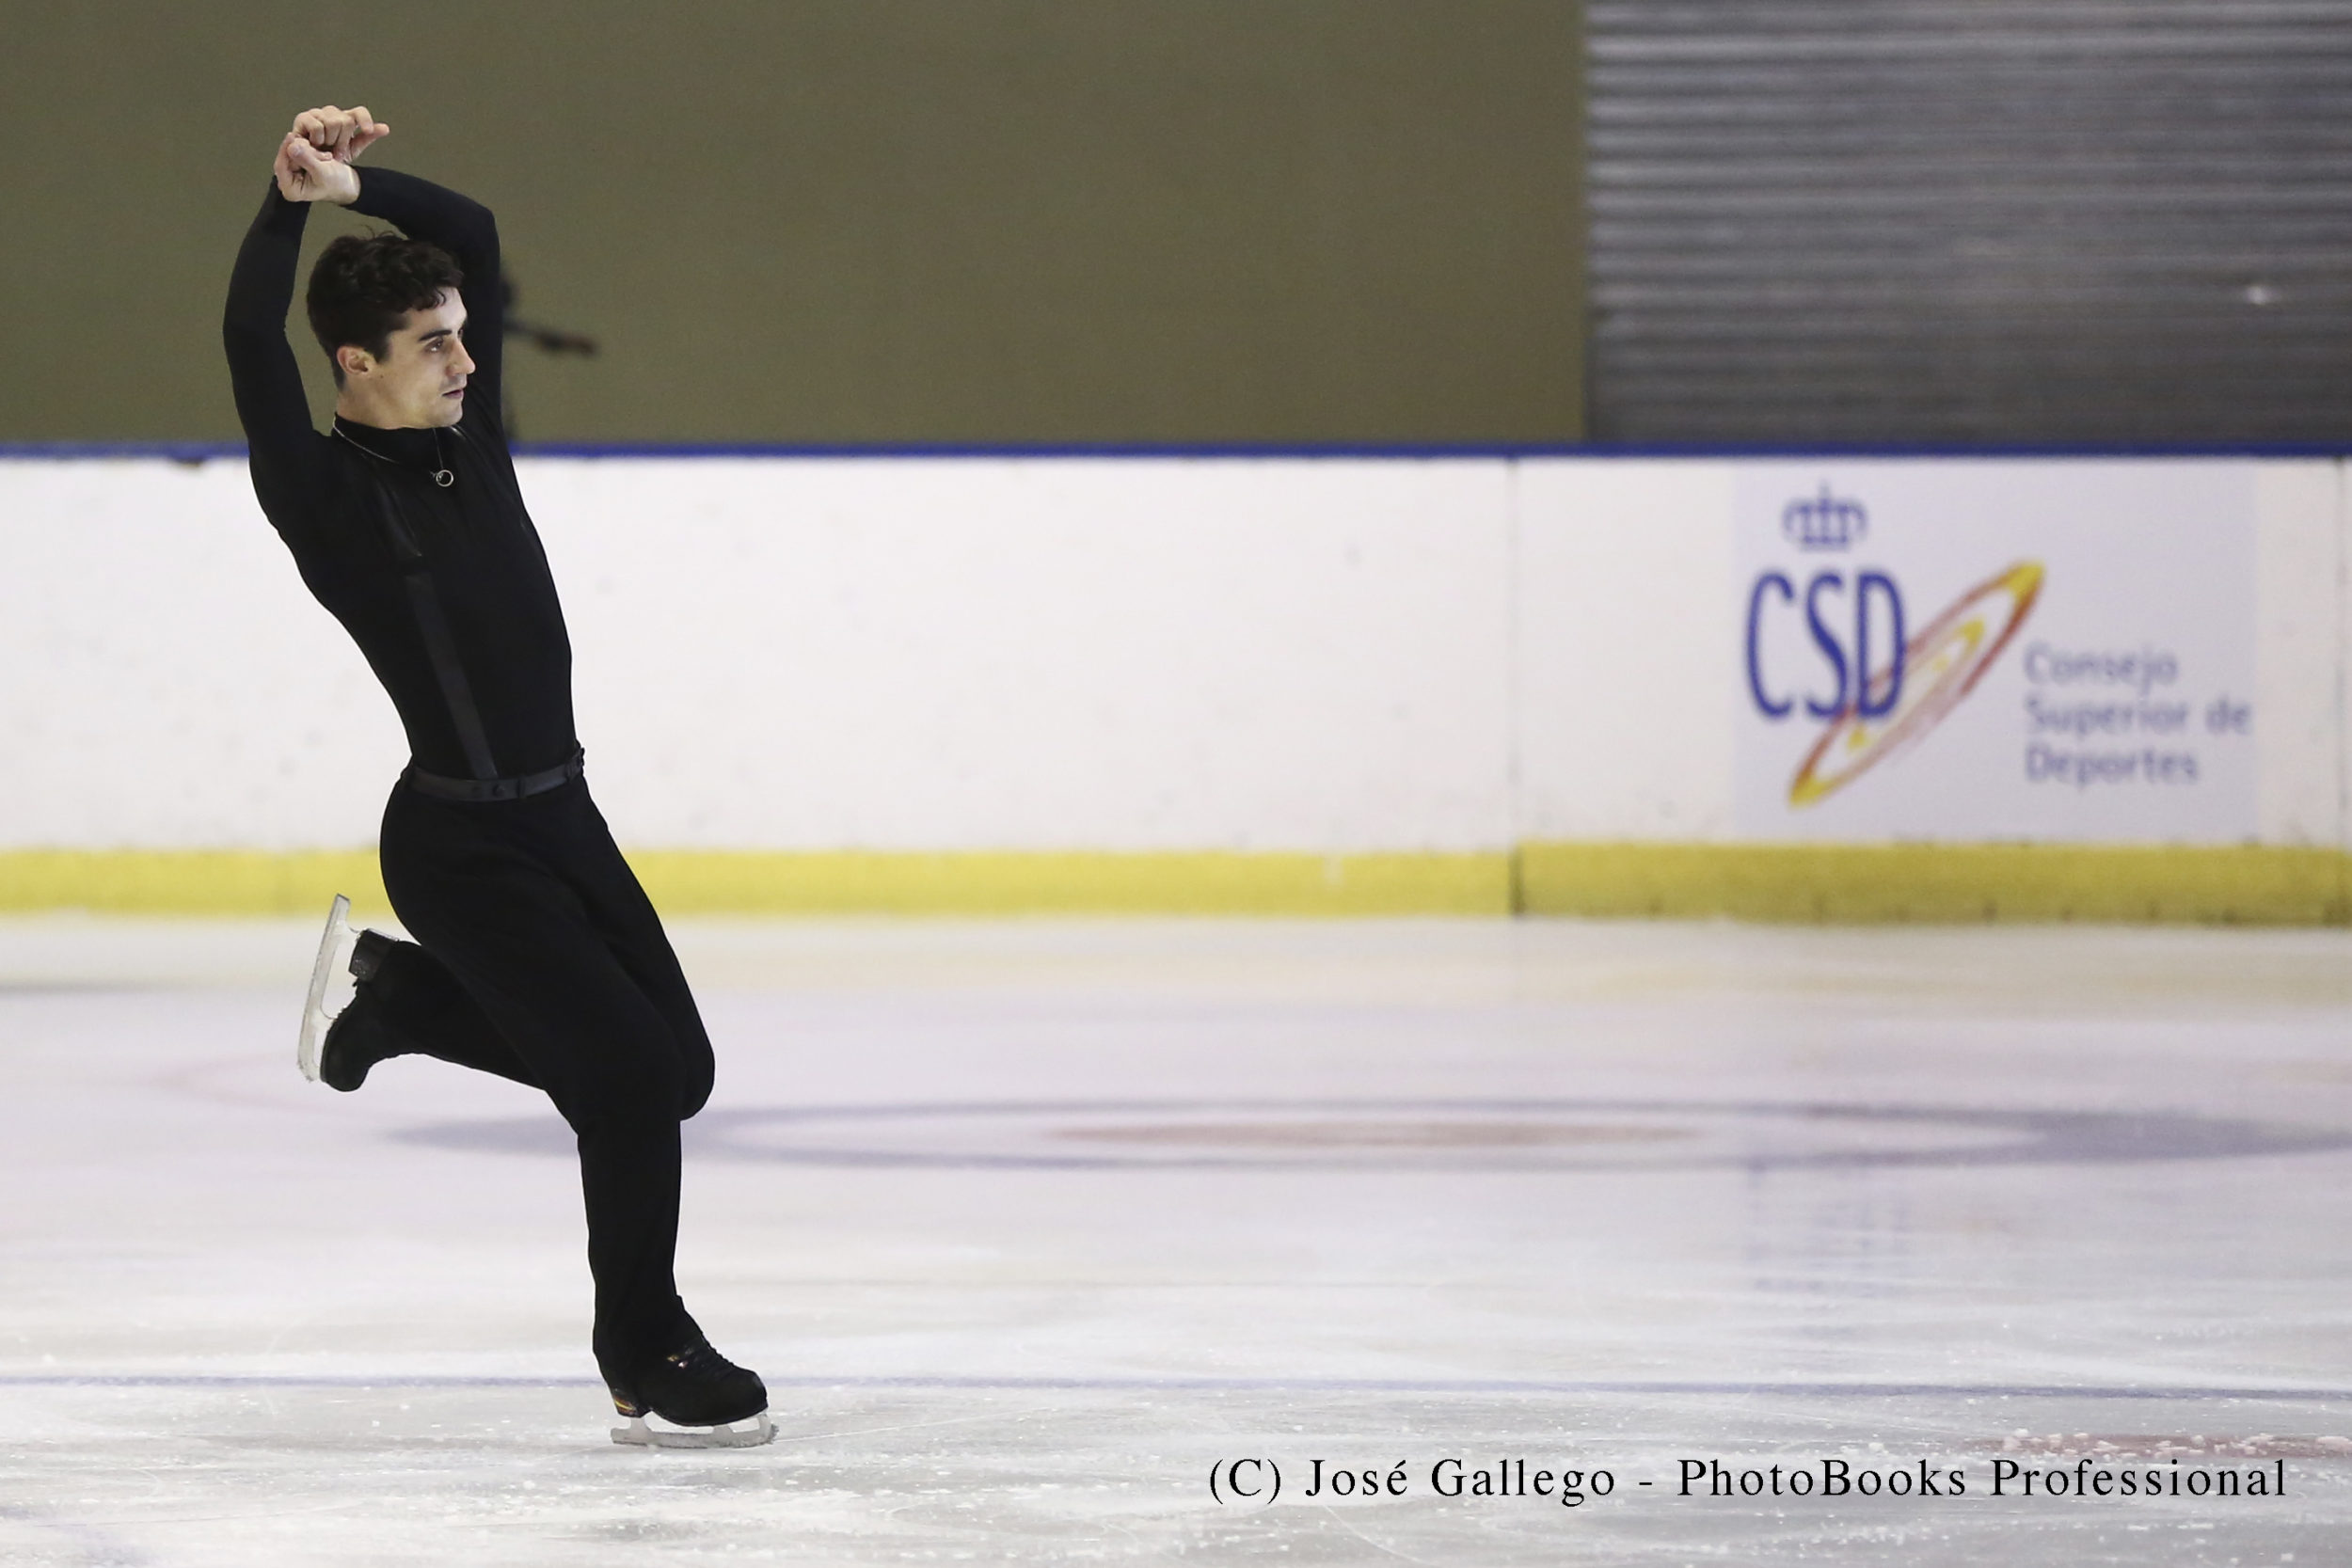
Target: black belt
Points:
(479, 790)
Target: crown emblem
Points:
(1824, 522)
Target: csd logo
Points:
(1829, 606)
(1879, 687)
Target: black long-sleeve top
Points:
(328, 499)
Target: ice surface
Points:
(1031, 1225)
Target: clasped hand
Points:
(314, 159)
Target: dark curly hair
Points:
(364, 283)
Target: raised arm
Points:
(314, 164)
(465, 228)
(262, 367)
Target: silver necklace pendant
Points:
(442, 477)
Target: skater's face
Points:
(418, 382)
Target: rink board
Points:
(1339, 684)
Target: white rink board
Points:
(1049, 654)
(915, 654)
(1327, 655)
(1621, 655)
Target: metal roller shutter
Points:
(1970, 221)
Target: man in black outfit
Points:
(537, 957)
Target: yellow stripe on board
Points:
(232, 882)
(1802, 883)
(1018, 882)
(189, 881)
(1940, 883)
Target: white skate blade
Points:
(654, 1433)
(334, 944)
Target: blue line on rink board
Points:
(205, 452)
(1236, 1384)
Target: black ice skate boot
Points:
(700, 1398)
(337, 1048)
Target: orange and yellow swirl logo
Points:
(1936, 670)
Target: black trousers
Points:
(539, 958)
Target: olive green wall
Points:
(848, 220)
